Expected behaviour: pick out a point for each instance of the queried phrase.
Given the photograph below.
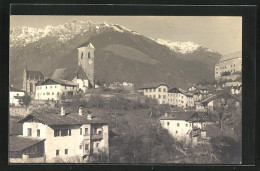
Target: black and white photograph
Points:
(125, 89)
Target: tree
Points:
(224, 107)
(26, 99)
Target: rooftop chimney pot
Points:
(80, 110)
(62, 111)
(89, 117)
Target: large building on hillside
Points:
(228, 65)
(186, 126)
(65, 135)
(30, 79)
(180, 98)
(156, 91)
(83, 76)
(54, 89)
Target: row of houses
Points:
(199, 97)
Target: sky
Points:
(219, 33)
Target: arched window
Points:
(31, 87)
(82, 55)
(88, 54)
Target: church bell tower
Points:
(86, 61)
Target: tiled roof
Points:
(15, 89)
(58, 119)
(187, 116)
(58, 81)
(210, 98)
(19, 143)
(88, 46)
(179, 90)
(35, 74)
(231, 56)
(64, 74)
(152, 85)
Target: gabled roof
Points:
(179, 90)
(15, 89)
(210, 98)
(35, 74)
(19, 143)
(231, 56)
(153, 85)
(88, 46)
(174, 90)
(64, 74)
(186, 116)
(58, 81)
(58, 119)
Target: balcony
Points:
(96, 136)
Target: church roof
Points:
(81, 74)
(35, 74)
(88, 46)
(69, 73)
(51, 81)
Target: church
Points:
(83, 76)
(66, 81)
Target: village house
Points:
(199, 107)
(156, 91)
(236, 89)
(186, 126)
(180, 98)
(16, 96)
(65, 135)
(53, 89)
(228, 65)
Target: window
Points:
(46, 87)
(176, 132)
(190, 124)
(186, 125)
(153, 90)
(66, 132)
(57, 93)
(65, 87)
(52, 93)
(80, 146)
(82, 55)
(159, 96)
(55, 86)
(50, 86)
(29, 132)
(56, 133)
(97, 145)
(66, 151)
(150, 90)
(86, 131)
(164, 97)
(153, 96)
(80, 131)
(48, 93)
(43, 93)
(159, 89)
(86, 146)
(38, 133)
(88, 54)
(168, 123)
(178, 124)
(57, 152)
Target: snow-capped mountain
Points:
(181, 47)
(21, 36)
(130, 56)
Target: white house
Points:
(236, 89)
(156, 91)
(53, 89)
(186, 126)
(180, 98)
(68, 135)
(16, 96)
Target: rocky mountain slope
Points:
(120, 55)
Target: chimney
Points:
(80, 110)
(89, 117)
(62, 112)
